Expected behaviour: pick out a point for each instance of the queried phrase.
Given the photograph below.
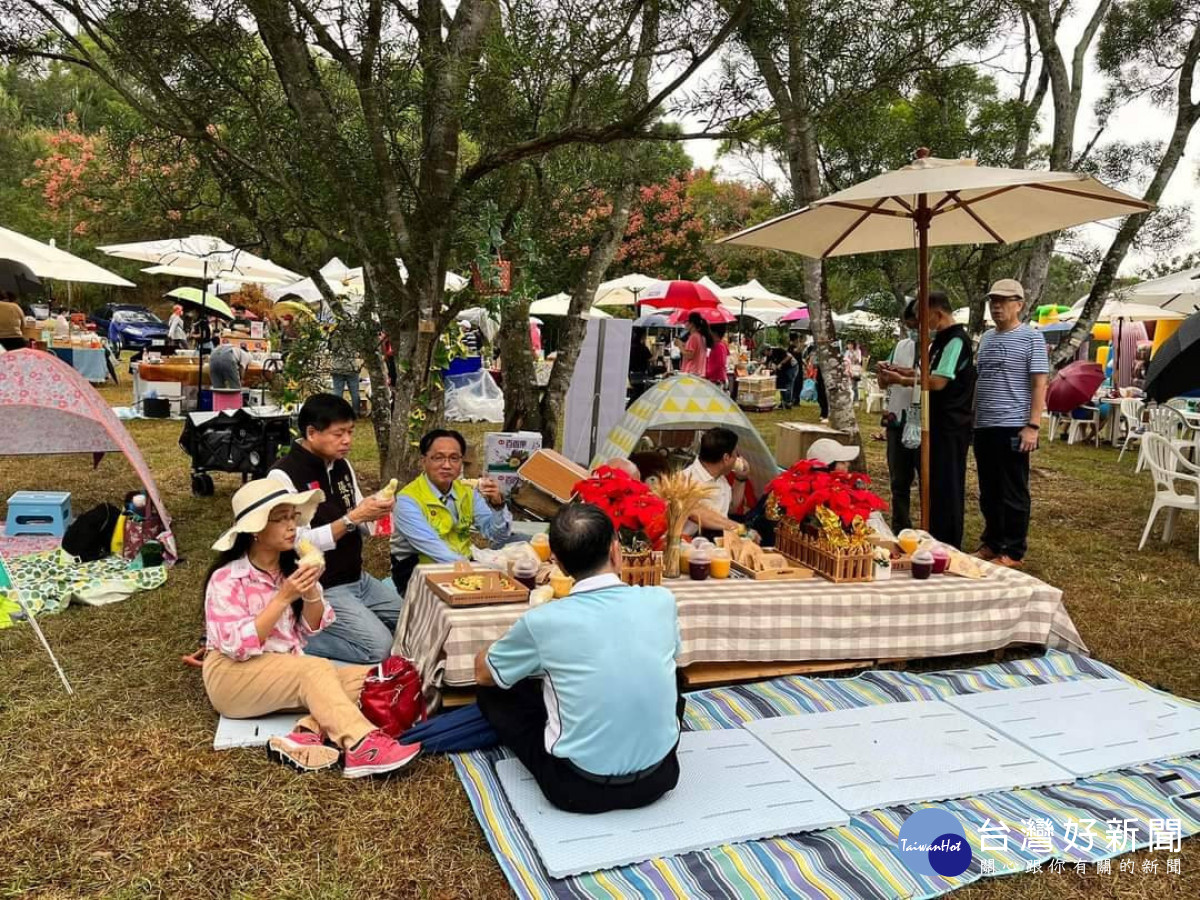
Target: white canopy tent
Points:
(558, 304)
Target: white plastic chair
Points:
(1176, 484)
(876, 396)
(1058, 421)
(1131, 418)
(1078, 425)
(1168, 424)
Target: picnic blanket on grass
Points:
(49, 581)
(860, 860)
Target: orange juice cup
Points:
(562, 585)
(720, 563)
(541, 546)
(908, 540)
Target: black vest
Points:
(954, 405)
(343, 564)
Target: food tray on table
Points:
(793, 572)
(466, 586)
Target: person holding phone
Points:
(951, 413)
(1011, 396)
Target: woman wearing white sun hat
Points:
(261, 604)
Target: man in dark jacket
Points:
(951, 417)
(367, 608)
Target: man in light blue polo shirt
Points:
(583, 690)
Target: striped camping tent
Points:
(688, 403)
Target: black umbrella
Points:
(1175, 368)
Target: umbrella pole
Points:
(203, 320)
(922, 221)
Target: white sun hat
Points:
(253, 502)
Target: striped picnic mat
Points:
(860, 860)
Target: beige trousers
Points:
(274, 682)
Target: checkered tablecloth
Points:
(740, 620)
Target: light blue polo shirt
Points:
(606, 656)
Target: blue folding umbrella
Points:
(458, 731)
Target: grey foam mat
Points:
(879, 756)
(1092, 726)
(232, 733)
(731, 789)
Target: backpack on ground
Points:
(90, 536)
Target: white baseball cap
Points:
(829, 451)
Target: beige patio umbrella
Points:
(47, 261)
(939, 202)
(623, 291)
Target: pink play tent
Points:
(47, 407)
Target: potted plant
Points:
(822, 517)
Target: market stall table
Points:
(90, 362)
(738, 621)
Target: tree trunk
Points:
(1066, 89)
(572, 334)
(522, 412)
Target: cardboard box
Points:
(794, 439)
(546, 482)
(507, 451)
(553, 474)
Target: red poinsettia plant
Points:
(810, 484)
(639, 515)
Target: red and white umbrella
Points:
(713, 315)
(683, 295)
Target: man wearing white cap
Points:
(835, 455)
(1010, 395)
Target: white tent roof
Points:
(1119, 309)
(50, 262)
(558, 304)
(867, 321)
(962, 315)
(685, 403)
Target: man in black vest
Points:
(366, 607)
(951, 417)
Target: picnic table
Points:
(777, 625)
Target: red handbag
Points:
(391, 696)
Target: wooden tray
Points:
(493, 593)
(793, 572)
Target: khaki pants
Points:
(274, 682)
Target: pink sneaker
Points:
(378, 754)
(304, 751)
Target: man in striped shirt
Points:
(1009, 398)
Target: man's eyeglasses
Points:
(441, 460)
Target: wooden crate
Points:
(836, 564)
(493, 592)
(642, 569)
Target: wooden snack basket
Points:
(492, 593)
(838, 565)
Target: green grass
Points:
(116, 792)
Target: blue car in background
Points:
(127, 326)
